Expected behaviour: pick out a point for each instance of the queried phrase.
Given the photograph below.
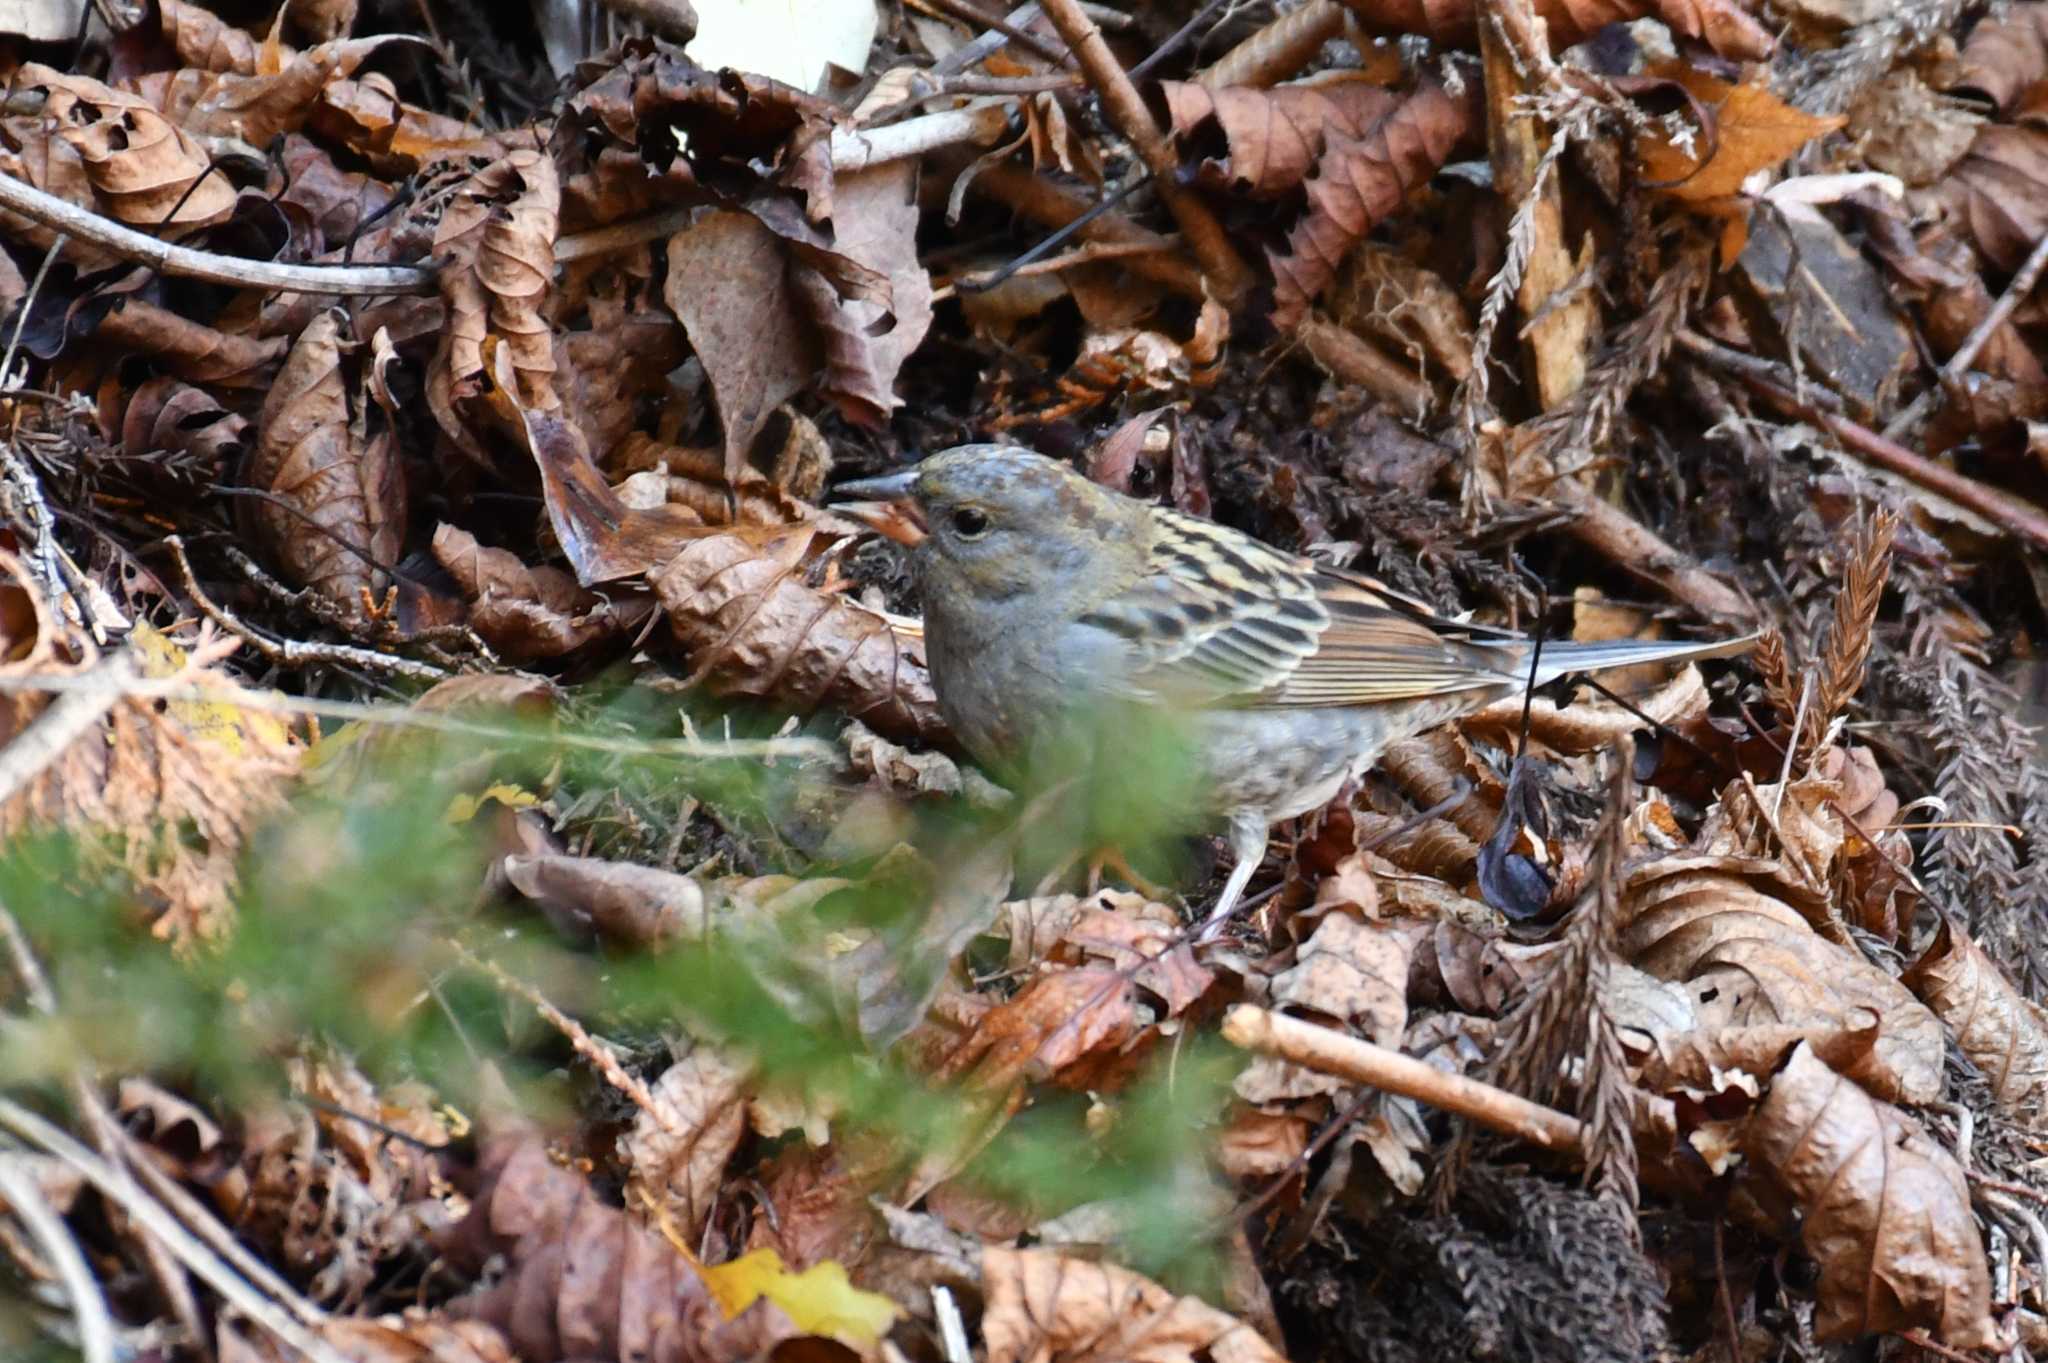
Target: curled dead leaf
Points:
(676, 1154)
(334, 509)
(1359, 181)
(1886, 1209)
(497, 237)
(1752, 962)
(146, 170)
(1045, 1307)
(1725, 25)
(739, 604)
(1272, 138)
(2004, 1032)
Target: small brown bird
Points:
(1060, 613)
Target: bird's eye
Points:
(970, 524)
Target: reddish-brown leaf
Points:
(145, 170)
(1272, 138)
(2006, 54)
(524, 613)
(1725, 25)
(739, 605)
(1886, 1210)
(1043, 1307)
(335, 516)
(1996, 192)
(1359, 181)
(497, 237)
(2004, 1032)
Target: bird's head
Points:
(999, 522)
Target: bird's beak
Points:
(885, 506)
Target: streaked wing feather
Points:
(1222, 619)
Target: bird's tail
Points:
(1564, 657)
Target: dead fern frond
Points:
(1564, 1014)
(1775, 671)
(1847, 654)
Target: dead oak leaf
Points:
(1044, 1307)
(1271, 138)
(1753, 130)
(335, 511)
(1886, 1209)
(497, 237)
(1725, 25)
(145, 170)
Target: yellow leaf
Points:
(219, 721)
(463, 808)
(1754, 131)
(819, 1300)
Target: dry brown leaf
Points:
(864, 339)
(1045, 1030)
(168, 416)
(1995, 192)
(728, 281)
(178, 785)
(815, 1207)
(322, 20)
(635, 906)
(367, 1341)
(1043, 1307)
(1716, 924)
(145, 170)
(1361, 180)
(524, 613)
(394, 137)
(191, 350)
(739, 605)
(1352, 970)
(1725, 25)
(202, 39)
(1128, 931)
(611, 371)
(696, 478)
(675, 1155)
(582, 1277)
(1886, 1209)
(257, 108)
(2006, 54)
(497, 238)
(1753, 130)
(2004, 1032)
(1272, 138)
(335, 514)
(603, 537)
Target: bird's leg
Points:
(1248, 836)
(1111, 858)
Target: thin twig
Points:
(1279, 49)
(910, 138)
(970, 13)
(1088, 253)
(585, 1045)
(1228, 275)
(2003, 509)
(64, 721)
(119, 1188)
(19, 1191)
(294, 652)
(174, 688)
(1330, 1052)
(1905, 423)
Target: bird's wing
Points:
(1218, 618)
